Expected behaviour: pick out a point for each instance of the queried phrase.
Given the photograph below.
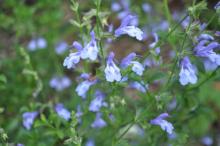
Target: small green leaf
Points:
(3, 79)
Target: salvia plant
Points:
(126, 79)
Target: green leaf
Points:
(75, 23)
(196, 10)
(3, 79)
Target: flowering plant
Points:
(147, 92)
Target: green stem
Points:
(178, 57)
(98, 30)
(121, 136)
(167, 11)
(79, 20)
(160, 42)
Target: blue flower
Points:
(137, 67)
(209, 66)
(187, 72)
(73, 58)
(217, 33)
(99, 122)
(37, 43)
(85, 76)
(90, 142)
(146, 7)
(112, 72)
(28, 119)
(130, 30)
(217, 6)
(97, 102)
(115, 7)
(150, 62)
(62, 111)
(84, 86)
(153, 45)
(110, 30)
(205, 36)
(60, 83)
(79, 113)
(127, 60)
(61, 47)
(91, 50)
(207, 140)
(111, 117)
(139, 86)
(186, 22)
(165, 125)
(207, 53)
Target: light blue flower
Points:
(186, 22)
(73, 58)
(41, 43)
(99, 122)
(28, 119)
(97, 102)
(127, 60)
(110, 30)
(83, 88)
(217, 6)
(85, 76)
(205, 50)
(187, 72)
(90, 142)
(62, 111)
(150, 62)
(60, 83)
(37, 43)
(137, 67)
(90, 51)
(115, 7)
(61, 47)
(153, 45)
(112, 72)
(205, 36)
(139, 86)
(79, 113)
(207, 140)
(131, 30)
(146, 7)
(165, 125)
(209, 66)
(217, 33)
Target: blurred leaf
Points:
(196, 10)
(3, 79)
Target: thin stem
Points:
(121, 136)
(79, 20)
(160, 42)
(167, 12)
(177, 58)
(98, 30)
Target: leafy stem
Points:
(99, 27)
